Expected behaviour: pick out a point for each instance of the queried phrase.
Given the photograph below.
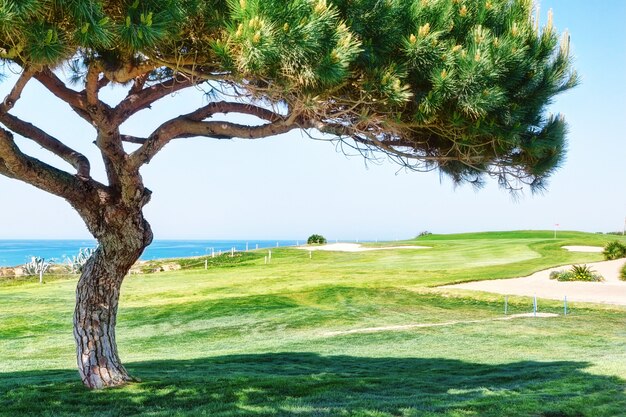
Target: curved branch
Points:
(192, 124)
(74, 158)
(137, 99)
(74, 99)
(15, 164)
(226, 107)
(16, 91)
(59, 89)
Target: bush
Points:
(622, 273)
(424, 233)
(577, 273)
(614, 250)
(316, 240)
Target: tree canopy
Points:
(459, 85)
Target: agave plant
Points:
(585, 273)
(77, 263)
(37, 266)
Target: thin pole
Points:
(206, 264)
(506, 304)
(565, 305)
(535, 306)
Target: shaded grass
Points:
(306, 384)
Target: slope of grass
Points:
(248, 339)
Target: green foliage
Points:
(577, 273)
(316, 240)
(622, 273)
(614, 250)
(466, 79)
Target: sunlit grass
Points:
(248, 339)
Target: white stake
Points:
(265, 259)
(246, 246)
(206, 264)
(232, 252)
(535, 306)
(269, 257)
(212, 252)
(310, 254)
(257, 246)
(506, 304)
(565, 306)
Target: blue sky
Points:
(289, 187)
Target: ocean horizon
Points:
(14, 252)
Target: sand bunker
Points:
(611, 291)
(355, 247)
(594, 249)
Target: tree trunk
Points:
(122, 238)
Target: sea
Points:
(19, 252)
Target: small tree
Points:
(316, 240)
(459, 86)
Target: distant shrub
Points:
(316, 240)
(424, 233)
(614, 250)
(622, 273)
(577, 273)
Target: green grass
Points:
(247, 339)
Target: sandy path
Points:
(611, 291)
(355, 247)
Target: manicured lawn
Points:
(248, 339)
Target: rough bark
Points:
(122, 235)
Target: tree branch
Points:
(16, 91)
(59, 89)
(76, 100)
(133, 139)
(139, 99)
(15, 164)
(91, 85)
(192, 124)
(74, 158)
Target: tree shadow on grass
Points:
(309, 385)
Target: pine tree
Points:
(456, 85)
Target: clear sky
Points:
(289, 187)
